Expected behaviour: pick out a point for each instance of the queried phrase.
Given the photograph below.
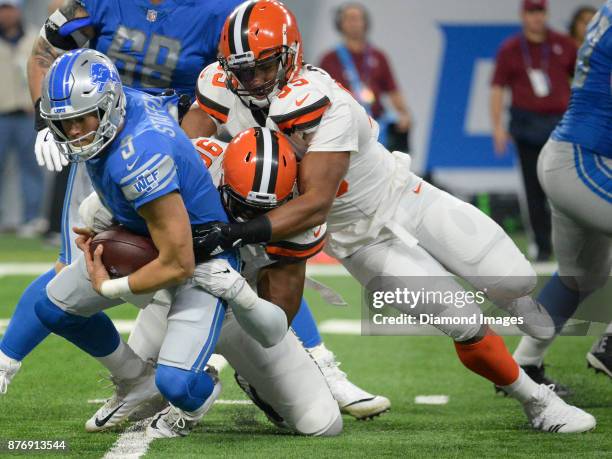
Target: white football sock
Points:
(148, 335)
(123, 363)
(531, 351)
(523, 388)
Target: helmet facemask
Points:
(242, 209)
(242, 70)
(110, 119)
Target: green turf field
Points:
(48, 399)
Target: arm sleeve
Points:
(301, 247)
(337, 130)
(211, 94)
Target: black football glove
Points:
(216, 237)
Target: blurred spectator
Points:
(365, 71)
(578, 24)
(60, 182)
(537, 65)
(17, 133)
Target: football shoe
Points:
(8, 369)
(547, 412)
(173, 422)
(600, 356)
(129, 395)
(351, 399)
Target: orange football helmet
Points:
(259, 173)
(260, 50)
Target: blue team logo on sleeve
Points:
(101, 75)
(151, 178)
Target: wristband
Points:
(39, 122)
(252, 232)
(115, 288)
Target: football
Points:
(124, 251)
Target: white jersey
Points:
(319, 115)
(256, 256)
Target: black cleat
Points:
(250, 391)
(600, 356)
(539, 376)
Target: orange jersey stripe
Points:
(303, 118)
(305, 121)
(296, 254)
(220, 117)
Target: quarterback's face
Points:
(81, 127)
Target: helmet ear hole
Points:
(248, 157)
(284, 161)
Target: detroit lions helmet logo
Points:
(101, 75)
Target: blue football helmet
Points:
(80, 82)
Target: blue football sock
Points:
(185, 389)
(96, 335)
(25, 331)
(559, 300)
(305, 326)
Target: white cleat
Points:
(173, 422)
(8, 369)
(351, 399)
(549, 413)
(130, 394)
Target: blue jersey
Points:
(151, 157)
(158, 46)
(588, 120)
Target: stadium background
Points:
(442, 52)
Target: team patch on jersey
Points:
(150, 178)
(304, 118)
(217, 111)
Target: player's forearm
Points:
(39, 62)
(306, 211)
(197, 123)
(162, 273)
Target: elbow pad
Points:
(64, 34)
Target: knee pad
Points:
(185, 389)
(512, 276)
(588, 280)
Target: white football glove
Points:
(47, 153)
(94, 215)
(217, 277)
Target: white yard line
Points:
(24, 269)
(133, 443)
(100, 401)
(32, 269)
(431, 399)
